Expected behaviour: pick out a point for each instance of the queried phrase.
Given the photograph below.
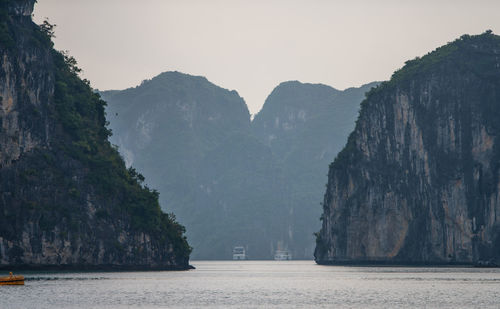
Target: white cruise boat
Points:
(282, 255)
(239, 253)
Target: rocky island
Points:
(418, 181)
(67, 201)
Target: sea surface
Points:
(261, 284)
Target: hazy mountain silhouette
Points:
(231, 181)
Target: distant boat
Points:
(282, 255)
(239, 253)
(12, 280)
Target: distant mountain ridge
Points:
(230, 180)
(306, 125)
(198, 105)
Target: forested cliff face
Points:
(66, 198)
(231, 181)
(418, 181)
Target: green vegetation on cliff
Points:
(418, 179)
(61, 181)
(84, 137)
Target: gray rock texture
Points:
(418, 181)
(54, 210)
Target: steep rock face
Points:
(66, 198)
(418, 181)
(23, 124)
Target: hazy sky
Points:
(251, 46)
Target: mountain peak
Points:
(459, 51)
(297, 85)
(178, 75)
(294, 94)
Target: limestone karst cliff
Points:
(418, 181)
(66, 197)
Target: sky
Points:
(252, 46)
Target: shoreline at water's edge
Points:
(375, 263)
(106, 267)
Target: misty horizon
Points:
(253, 47)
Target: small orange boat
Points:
(12, 280)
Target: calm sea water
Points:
(261, 284)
